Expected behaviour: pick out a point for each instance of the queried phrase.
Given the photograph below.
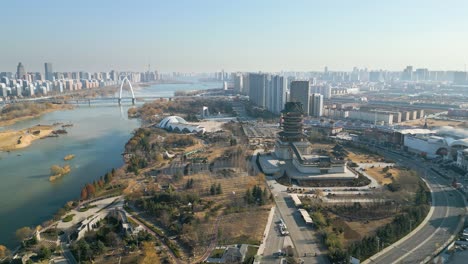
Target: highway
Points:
(447, 218)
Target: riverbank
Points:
(12, 140)
(10, 117)
(96, 139)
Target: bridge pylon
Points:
(131, 90)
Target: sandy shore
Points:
(11, 140)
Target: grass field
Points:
(243, 228)
(233, 187)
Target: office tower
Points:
(20, 72)
(49, 74)
(278, 88)
(299, 92)
(407, 74)
(257, 88)
(316, 107)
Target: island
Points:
(57, 171)
(69, 157)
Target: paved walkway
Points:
(80, 216)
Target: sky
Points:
(241, 35)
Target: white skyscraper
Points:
(278, 98)
(238, 83)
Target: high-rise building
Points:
(324, 90)
(49, 74)
(113, 75)
(238, 84)
(422, 74)
(299, 92)
(38, 76)
(245, 84)
(20, 72)
(257, 88)
(316, 107)
(375, 76)
(459, 77)
(407, 74)
(278, 88)
(85, 75)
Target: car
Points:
(278, 254)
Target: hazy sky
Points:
(198, 35)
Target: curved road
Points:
(446, 220)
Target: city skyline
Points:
(242, 36)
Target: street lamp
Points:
(378, 243)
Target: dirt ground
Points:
(357, 230)
(436, 123)
(381, 177)
(360, 157)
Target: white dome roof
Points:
(171, 120)
(177, 123)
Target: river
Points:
(97, 139)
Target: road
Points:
(305, 239)
(67, 254)
(448, 215)
(274, 241)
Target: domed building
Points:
(178, 124)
